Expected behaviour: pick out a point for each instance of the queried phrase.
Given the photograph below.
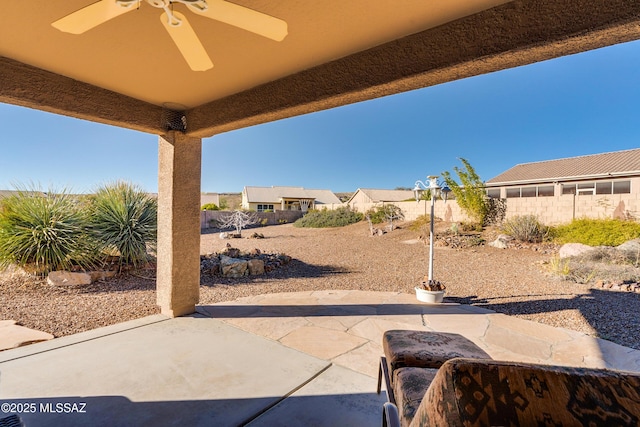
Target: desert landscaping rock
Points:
(67, 278)
(233, 267)
(501, 242)
(256, 267)
(573, 249)
(632, 246)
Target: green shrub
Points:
(326, 218)
(526, 228)
(210, 207)
(124, 220)
(597, 232)
(44, 232)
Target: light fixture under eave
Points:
(177, 24)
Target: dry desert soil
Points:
(511, 281)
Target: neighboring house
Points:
(600, 185)
(206, 198)
(366, 196)
(263, 199)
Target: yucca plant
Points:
(124, 221)
(43, 232)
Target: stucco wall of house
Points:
(359, 199)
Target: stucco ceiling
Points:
(133, 54)
(124, 71)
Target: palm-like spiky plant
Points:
(124, 221)
(43, 232)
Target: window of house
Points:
(541, 191)
(621, 187)
(513, 192)
(586, 189)
(494, 193)
(568, 189)
(603, 187)
(545, 191)
(262, 208)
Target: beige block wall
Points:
(562, 209)
(549, 210)
(446, 211)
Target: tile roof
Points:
(274, 194)
(591, 166)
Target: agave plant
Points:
(124, 221)
(43, 232)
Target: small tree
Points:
(470, 194)
(238, 220)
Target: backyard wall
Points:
(449, 211)
(549, 210)
(562, 209)
(273, 218)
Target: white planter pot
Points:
(432, 297)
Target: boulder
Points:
(630, 246)
(233, 267)
(256, 267)
(224, 235)
(501, 241)
(67, 278)
(574, 249)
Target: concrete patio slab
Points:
(185, 371)
(304, 358)
(339, 397)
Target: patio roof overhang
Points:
(128, 73)
(124, 71)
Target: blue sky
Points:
(576, 105)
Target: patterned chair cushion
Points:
(423, 349)
(409, 386)
(468, 392)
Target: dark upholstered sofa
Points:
(472, 391)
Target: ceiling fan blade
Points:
(188, 43)
(243, 17)
(91, 16)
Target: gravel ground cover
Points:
(510, 281)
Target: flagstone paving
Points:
(346, 327)
(13, 335)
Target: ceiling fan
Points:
(177, 24)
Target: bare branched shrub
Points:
(238, 220)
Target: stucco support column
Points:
(178, 276)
